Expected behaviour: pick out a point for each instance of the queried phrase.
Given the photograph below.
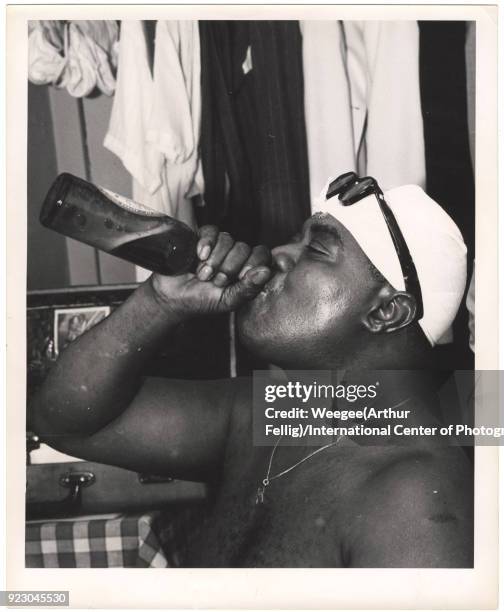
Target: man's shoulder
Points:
(412, 496)
(419, 476)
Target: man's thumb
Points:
(246, 288)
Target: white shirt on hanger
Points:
(328, 117)
(384, 76)
(155, 123)
(362, 101)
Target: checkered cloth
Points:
(125, 541)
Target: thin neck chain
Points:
(269, 478)
(266, 481)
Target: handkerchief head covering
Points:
(434, 240)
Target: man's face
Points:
(313, 305)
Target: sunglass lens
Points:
(341, 183)
(358, 191)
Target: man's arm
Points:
(415, 513)
(95, 404)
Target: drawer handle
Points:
(75, 481)
(70, 506)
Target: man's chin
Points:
(249, 322)
(250, 308)
(245, 315)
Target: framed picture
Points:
(70, 323)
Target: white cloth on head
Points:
(434, 241)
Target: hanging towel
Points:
(46, 61)
(77, 55)
(154, 126)
(328, 115)
(90, 55)
(383, 70)
(175, 121)
(126, 136)
(155, 122)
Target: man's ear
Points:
(391, 310)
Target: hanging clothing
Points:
(79, 56)
(450, 179)
(155, 122)
(329, 128)
(175, 120)
(470, 62)
(45, 53)
(471, 308)
(91, 55)
(126, 135)
(383, 70)
(363, 106)
(280, 161)
(253, 129)
(229, 199)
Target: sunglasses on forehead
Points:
(351, 189)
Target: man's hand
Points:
(228, 274)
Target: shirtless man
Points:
(316, 303)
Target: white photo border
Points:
(258, 588)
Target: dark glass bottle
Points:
(119, 226)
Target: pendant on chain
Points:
(260, 492)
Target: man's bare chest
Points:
(297, 524)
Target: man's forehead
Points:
(323, 218)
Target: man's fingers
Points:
(232, 264)
(207, 239)
(222, 260)
(260, 256)
(222, 247)
(246, 288)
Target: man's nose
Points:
(284, 257)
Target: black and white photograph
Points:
(250, 298)
(70, 323)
